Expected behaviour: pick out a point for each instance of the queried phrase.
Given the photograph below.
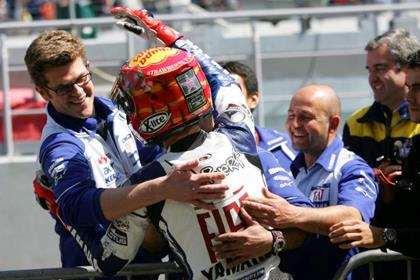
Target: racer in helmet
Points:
(166, 93)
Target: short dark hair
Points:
(247, 74)
(51, 49)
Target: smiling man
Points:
(400, 235)
(372, 131)
(339, 184)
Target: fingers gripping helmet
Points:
(163, 90)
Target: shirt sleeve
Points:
(279, 180)
(63, 161)
(358, 188)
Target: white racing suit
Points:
(190, 230)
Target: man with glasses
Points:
(82, 81)
(88, 153)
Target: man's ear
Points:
(253, 100)
(43, 92)
(334, 123)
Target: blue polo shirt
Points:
(338, 177)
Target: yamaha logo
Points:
(154, 122)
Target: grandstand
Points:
(288, 46)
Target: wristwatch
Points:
(390, 236)
(278, 241)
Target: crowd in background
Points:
(27, 10)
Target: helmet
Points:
(162, 90)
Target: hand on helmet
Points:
(142, 23)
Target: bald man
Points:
(339, 183)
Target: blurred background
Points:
(289, 43)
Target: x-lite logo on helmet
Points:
(154, 122)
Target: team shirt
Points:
(375, 133)
(81, 158)
(338, 177)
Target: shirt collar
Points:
(327, 159)
(377, 112)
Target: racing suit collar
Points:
(189, 142)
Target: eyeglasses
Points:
(67, 89)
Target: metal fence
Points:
(89, 273)
(369, 258)
(365, 258)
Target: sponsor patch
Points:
(192, 90)
(57, 170)
(231, 164)
(154, 122)
(234, 113)
(152, 56)
(319, 195)
(118, 232)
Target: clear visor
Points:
(123, 100)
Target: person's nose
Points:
(372, 76)
(77, 90)
(293, 123)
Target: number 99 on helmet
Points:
(162, 90)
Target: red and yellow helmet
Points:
(163, 90)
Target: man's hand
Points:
(355, 233)
(181, 184)
(271, 210)
(243, 245)
(391, 171)
(386, 173)
(143, 24)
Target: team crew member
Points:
(88, 151)
(339, 184)
(401, 235)
(377, 131)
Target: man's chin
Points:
(297, 146)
